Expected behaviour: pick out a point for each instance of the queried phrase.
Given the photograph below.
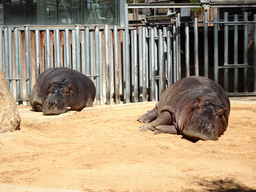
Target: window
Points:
(59, 12)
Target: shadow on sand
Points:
(223, 185)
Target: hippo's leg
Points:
(165, 118)
(171, 129)
(149, 116)
(35, 101)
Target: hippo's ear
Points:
(50, 87)
(221, 112)
(198, 103)
(71, 86)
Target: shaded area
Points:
(224, 185)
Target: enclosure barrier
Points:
(130, 64)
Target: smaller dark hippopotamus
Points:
(195, 107)
(58, 90)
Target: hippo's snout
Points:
(54, 107)
(200, 130)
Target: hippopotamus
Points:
(58, 90)
(196, 107)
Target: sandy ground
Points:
(102, 149)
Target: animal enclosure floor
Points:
(102, 149)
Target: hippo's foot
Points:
(144, 128)
(171, 129)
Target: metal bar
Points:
(87, 50)
(156, 66)
(57, 47)
(116, 62)
(1, 50)
(37, 47)
(66, 50)
(236, 54)
(28, 60)
(97, 66)
(206, 51)
(152, 65)
(189, 5)
(216, 52)
(100, 69)
(254, 50)
(92, 54)
(127, 58)
(161, 62)
(169, 57)
(6, 53)
(175, 78)
(17, 61)
(226, 52)
(178, 46)
(107, 52)
(144, 65)
(20, 65)
(78, 62)
(74, 49)
(140, 46)
(10, 67)
(165, 64)
(187, 49)
(245, 51)
(83, 67)
(196, 47)
(234, 66)
(135, 67)
(47, 50)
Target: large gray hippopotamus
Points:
(195, 107)
(58, 90)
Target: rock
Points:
(9, 115)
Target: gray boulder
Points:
(9, 115)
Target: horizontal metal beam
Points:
(234, 66)
(188, 5)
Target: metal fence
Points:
(133, 64)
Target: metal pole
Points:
(152, 64)
(107, 57)
(254, 49)
(206, 52)
(236, 53)
(116, 62)
(47, 50)
(161, 62)
(216, 53)
(226, 52)
(57, 47)
(245, 51)
(28, 60)
(196, 47)
(187, 49)
(37, 47)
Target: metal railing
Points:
(133, 64)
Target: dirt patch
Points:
(102, 149)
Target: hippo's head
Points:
(208, 120)
(58, 99)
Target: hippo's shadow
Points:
(226, 185)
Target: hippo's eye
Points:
(65, 91)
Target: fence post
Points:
(216, 53)
(28, 60)
(226, 51)
(206, 58)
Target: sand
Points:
(102, 149)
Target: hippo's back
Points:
(184, 92)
